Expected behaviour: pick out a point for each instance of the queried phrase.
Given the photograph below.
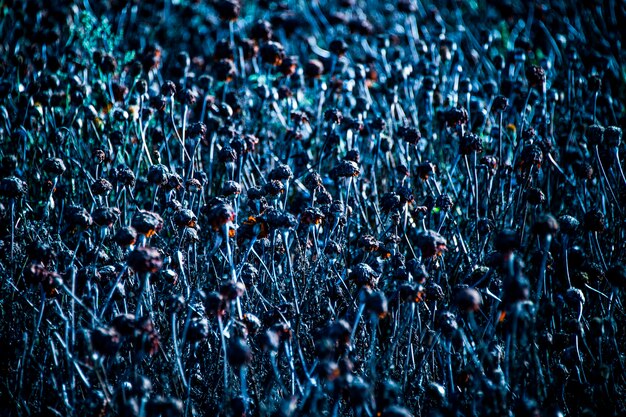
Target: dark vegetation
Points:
(335, 208)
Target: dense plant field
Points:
(312, 208)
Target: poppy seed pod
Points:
(272, 53)
(101, 187)
(456, 116)
(168, 89)
(574, 297)
(125, 176)
(126, 236)
(185, 218)
(583, 170)
(500, 103)
(228, 10)
(467, 299)
(345, 169)
(338, 47)
(613, 136)
(595, 135)
(568, 225)
(470, 143)
(227, 155)
(106, 216)
(273, 188)
(446, 323)
(231, 188)
(444, 202)
(363, 275)
(281, 173)
(158, 174)
(198, 329)
(12, 187)
(594, 221)
(145, 259)
(78, 217)
(430, 243)
(532, 156)
(197, 130)
(409, 134)
(313, 69)
(54, 166)
(220, 214)
(224, 70)
(535, 196)
(105, 341)
(147, 223)
(536, 76)
(231, 290)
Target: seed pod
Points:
(500, 103)
(168, 89)
(470, 143)
(78, 217)
(232, 290)
(273, 188)
(106, 216)
(145, 259)
(574, 297)
(535, 196)
(147, 223)
(313, 69)
(198, 330)
(430, 243)
(345, 169)
(583, 170)
(594, 221)
(545, 225)
(12, 187)
(613, 136)
(54, 166)
(272, 53)
(532, 156)
(158, 174)
(224, 70)
(126, 236)
(410, 134)
(456, 116)
(101, 187)
(444, 202)
(220, 214)
(536, 76)
(468, 299)
(446, 323)
(125, 176)
(338, 47)
(228, 10)
(185, 218)
(281, 173)
(363, 275)
(105, 341)
(595, 135)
